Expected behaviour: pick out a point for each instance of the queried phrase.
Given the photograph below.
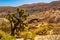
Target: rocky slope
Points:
(31, 8)
(47, 12)
(39, 7)
(50, 16)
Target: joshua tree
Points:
(16, 19)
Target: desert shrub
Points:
(2, 33)
(5, 26)
(44, 30)
(48, 26)
(7, 37)
(27, 35)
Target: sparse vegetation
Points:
(19, 24)
(8, 37)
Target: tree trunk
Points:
(14, 28)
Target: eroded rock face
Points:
(48, 37)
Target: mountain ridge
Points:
(31, 8)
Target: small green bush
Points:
(2, 33)
(44, 30)
(8, 37)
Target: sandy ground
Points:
(47, 37)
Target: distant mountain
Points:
(38, 7)
(32, 8)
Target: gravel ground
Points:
(46, 37)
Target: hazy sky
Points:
(20, 2)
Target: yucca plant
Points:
(16, 19)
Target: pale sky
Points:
(20, 2)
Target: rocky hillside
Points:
(6, 10)
(31, 8)
(47, 12)
(39, 7)
(50, 16)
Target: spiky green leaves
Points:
(17, 19)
